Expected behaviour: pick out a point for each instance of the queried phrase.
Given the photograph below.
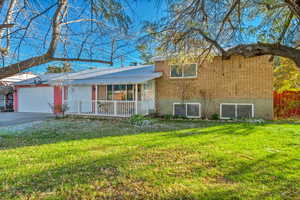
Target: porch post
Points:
(96, 99)
(142, 92)
(4, 101)
(136, 99)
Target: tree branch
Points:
(23, 65)
(79, 20)
(39, 60)
(208, 39)
(260, 49)
(58, 16)
(6, 26)
(286, 26)
(80, 60)
(294, 6)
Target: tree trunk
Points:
(8, 20)
(50, 54)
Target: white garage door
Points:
(35, 99)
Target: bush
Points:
(215, 116)
(139, 120)
(59, 109)
(168, 117)
(153, 115)
(257, 121)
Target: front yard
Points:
(82, 159)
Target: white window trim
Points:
(236, 104)
(186, 109)
(183, 77)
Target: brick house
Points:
(235, 88)
(238, 87)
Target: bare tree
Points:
(207, 100)
(37, 32)
(231, 27)
(184, 90)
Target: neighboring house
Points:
(6, 90)
(235, 88)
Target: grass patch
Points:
(90, 159)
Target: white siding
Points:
(80, 95)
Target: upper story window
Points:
(184, 71)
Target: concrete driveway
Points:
(14, 118)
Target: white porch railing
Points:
(109, 108)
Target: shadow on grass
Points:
(69, 131)
(83, 172)
(270, 174)
(237, 129)
(80, 131)
(105, 178)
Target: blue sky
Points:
(140, 11)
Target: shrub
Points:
(215, 116)
(257, 121)
(168, 117)
(59, 109)
(139, 120)
(153, 115)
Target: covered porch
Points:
(112, 100)
(112, 92)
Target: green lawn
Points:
(82, 159)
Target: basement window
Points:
(190, 110)
(183, 71)
(236, 111)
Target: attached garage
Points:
(35, 99)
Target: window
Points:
(120, 92)
(176, 71)
(179, 110)
(130, 93)
(184, 71)
(109, 92)
(190, 70)
(244, 111)
(191, 110)
(228, 111)
(236, 110)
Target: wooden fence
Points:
(287, 104)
